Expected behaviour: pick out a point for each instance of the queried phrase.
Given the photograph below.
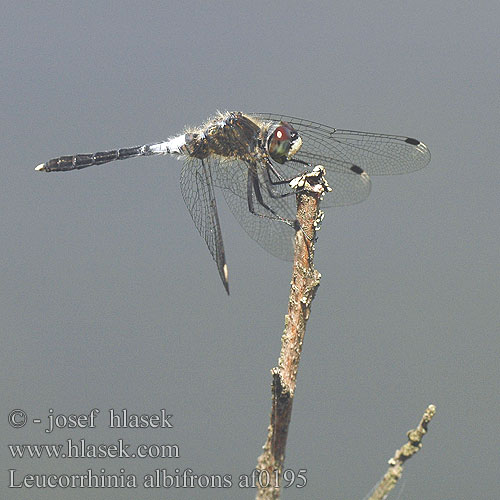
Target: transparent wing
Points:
(344, 153)
(198, 193)
(274, 235)
(377, 154)
(349, 184)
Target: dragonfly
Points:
(252, 158)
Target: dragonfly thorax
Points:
(231, 135)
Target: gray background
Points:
(109, 297)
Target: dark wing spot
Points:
(357, 170)
(413, 142)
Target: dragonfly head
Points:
(283, 142)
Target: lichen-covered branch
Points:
(395, 470)
(305, 280)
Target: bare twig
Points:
(395, 470)
(305, 280)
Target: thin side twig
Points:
(395, 470)
(305, 281)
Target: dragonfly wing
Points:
(376, 154)
(198, 193)
(275, 236)
(348, 187)
(350, 184)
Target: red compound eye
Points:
(282, 134)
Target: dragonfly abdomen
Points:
(76, 162)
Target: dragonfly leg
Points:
(281, 180)
(253, 186)
(270, 183)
